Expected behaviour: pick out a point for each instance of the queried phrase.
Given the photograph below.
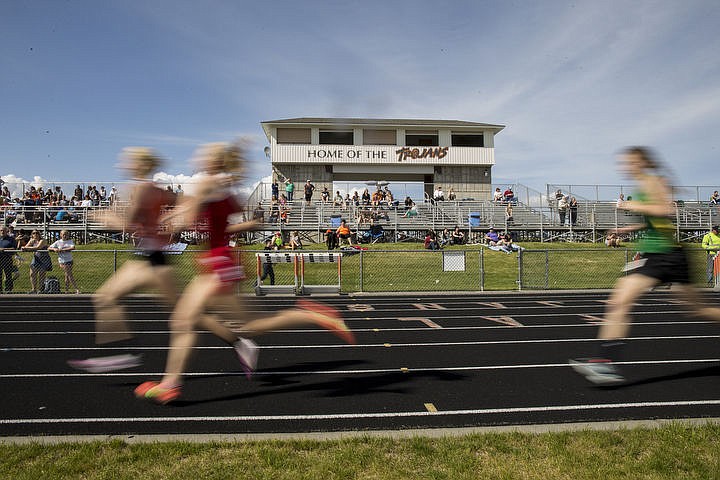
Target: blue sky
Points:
(573, 81)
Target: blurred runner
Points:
(150, 269)
(662, 260)
(211, 208)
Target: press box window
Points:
(467, 140)
(421, 139)
(336, 138)
(293, 135)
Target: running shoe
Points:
(247, 352)
(154, 392)
(330, 319)
(107, 364)
(599, 371)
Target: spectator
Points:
(64, 248)
(103, 193)
(492, 238)
(343, 232)
(325, 196)
(573, 207)
(309, 188)
(438, 194)
(278, 242)
(274, 210)
(259, 213)
(346, 201)
(430, 241)
(711, 244)
(445, 238)
(458, 237)
(356, 198)
(497, 196)
(558, 196)
(268, 270)
(715, 198)
(41, 262)
(507, 245)
(289, 189)
(451, 195)
(7, 244)
(331, 240)
(285, 216)
(509, 195)
(408, 203)
(563, 209)
(412, 211)
(274, 189)
(365, 199)
(295, 242)
(338, 200)
(113, 197)
(178, 191)
(620, 201)
(612, 240)
(509, 214)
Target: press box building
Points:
(447, 153)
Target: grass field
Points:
(670, 452)
(398, 267)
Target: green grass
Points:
(398, 267)
(671, 452)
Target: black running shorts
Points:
(669, 267)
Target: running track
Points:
(425, 361)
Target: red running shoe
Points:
(154, 392)
(330, 319)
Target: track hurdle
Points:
(320, 257)
(272, 258)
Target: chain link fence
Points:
(390, 270)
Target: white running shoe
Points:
(247, 352)
(597, 371)
(107, 364)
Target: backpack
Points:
(51, 285)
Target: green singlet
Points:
(659, 236)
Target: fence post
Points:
(114, 260)
(520, 269)
(482, 269)
(547, 269)
(361, 269)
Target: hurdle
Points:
(276, 257)
(320, 257)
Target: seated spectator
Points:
(620, 201)
(278, 241)
(444, 238)
(506, 243)
(325, 195)
(62, 215)
(715, 198)
(356, 198)
(451, 195)
(259, 213)
(492, 237)
(458, 237)
(497, 196)
(438, 195)
(295, 242)
(509, 214)
(430, 241)
(612, 240)
(274, 210)
(338, 200)
(331, 240)
(365, 197)
(412, 212)
(343, 232)
(509, 195)
(408, 203)
(285, 216)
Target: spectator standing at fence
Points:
(563, 209)
(289, 189)
(268, 270)
(7, 245)
(308, 189)
(662, 261)
(711, 245)
(64, 248)
(41, 262)
(573, 209)
(216, 285)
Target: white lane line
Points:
(261, 373)
(341, 416)
(366, 345)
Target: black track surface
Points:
(420, 362)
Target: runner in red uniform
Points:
(143, 218)
(212, 207)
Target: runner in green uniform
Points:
(662, 261)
